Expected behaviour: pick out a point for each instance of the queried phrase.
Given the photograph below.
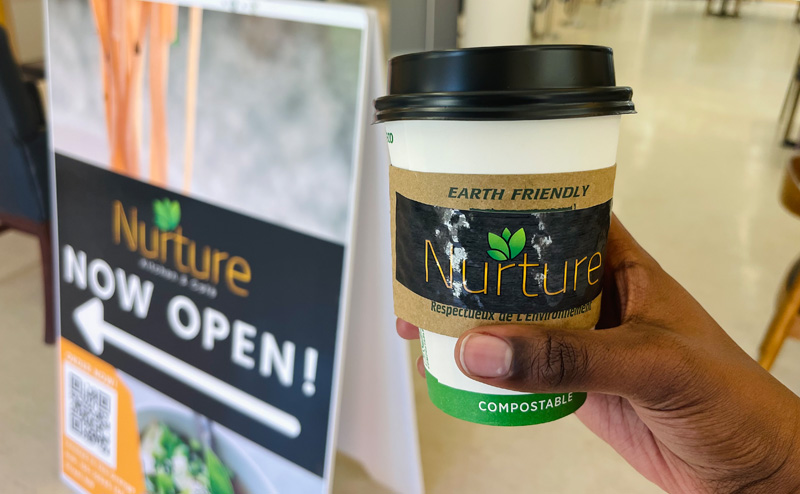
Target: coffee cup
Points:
(501, 184)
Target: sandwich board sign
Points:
(207, 171)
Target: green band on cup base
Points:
(502, 410)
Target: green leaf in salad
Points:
(219, 477)
(150, 483)
(160, 457)
(164, 484)
(169, 441)
(181, 449)
(197, 465)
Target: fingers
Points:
(407, 330)
(636, 288)
(421, 366)
(624, 361)
(410, 332)
(632, 282)
(622, 247)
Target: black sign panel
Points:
(236, 304)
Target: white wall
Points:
(496, 22)
(26, 23)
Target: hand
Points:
(669, 390)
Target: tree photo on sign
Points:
(125, 29)
(189, 99)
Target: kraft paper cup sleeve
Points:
(596, 188)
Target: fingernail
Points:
(484, 355)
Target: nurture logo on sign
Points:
(507, 246)
(166, 214)
(164, 241)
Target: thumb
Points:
(633, 362)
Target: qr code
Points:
(90, 414)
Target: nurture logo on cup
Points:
(483, 233)
(506, 247)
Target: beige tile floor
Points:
(699, 168)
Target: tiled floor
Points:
(28, 458)
(699, 169)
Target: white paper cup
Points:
(495, 146)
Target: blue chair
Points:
(24, 189)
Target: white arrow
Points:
(89, 319)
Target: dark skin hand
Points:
(669, 390)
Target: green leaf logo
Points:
(166, 214)
(506, 246)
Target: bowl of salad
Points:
(176, 461)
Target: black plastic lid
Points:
(533, 82)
